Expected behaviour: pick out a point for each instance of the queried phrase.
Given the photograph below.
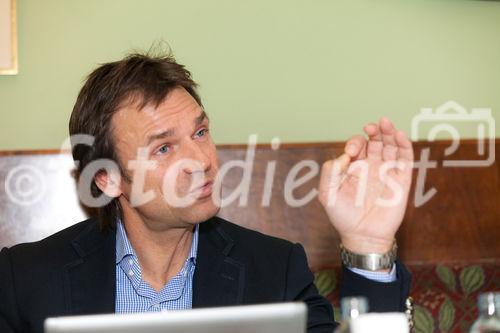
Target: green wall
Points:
(302, 70)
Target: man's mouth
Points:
(205, 190)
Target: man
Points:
(157, 244)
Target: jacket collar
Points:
(90, 280)
(218, 278)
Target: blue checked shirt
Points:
(133, 294)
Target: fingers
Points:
(387, 130)
(341, 164)
(405, 147)
(372, 130)
(355, 147)
(396, 143)
(375, 144)
(390, 149)
(386, 143)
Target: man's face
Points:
(182, 160)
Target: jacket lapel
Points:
(218, 278)
(90, 281)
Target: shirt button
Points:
(130, 273)
(130, 262)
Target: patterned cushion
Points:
(444, 295)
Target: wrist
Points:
(367, 245)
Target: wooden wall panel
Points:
(462, 221)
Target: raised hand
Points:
(365, 190)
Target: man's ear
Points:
(109, 183)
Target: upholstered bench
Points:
(444, 295)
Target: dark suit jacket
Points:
(73, 273)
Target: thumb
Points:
(332, 175)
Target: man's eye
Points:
(201, 132)
(163, 149)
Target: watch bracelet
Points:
(369, 261)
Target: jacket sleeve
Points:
(300, 287)
(9, 316)
(382, 297)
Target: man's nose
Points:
(198, 154)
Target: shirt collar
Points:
(124, 248)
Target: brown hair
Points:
(141, 78)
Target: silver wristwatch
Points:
(370, 261)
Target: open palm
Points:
(365, 190)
